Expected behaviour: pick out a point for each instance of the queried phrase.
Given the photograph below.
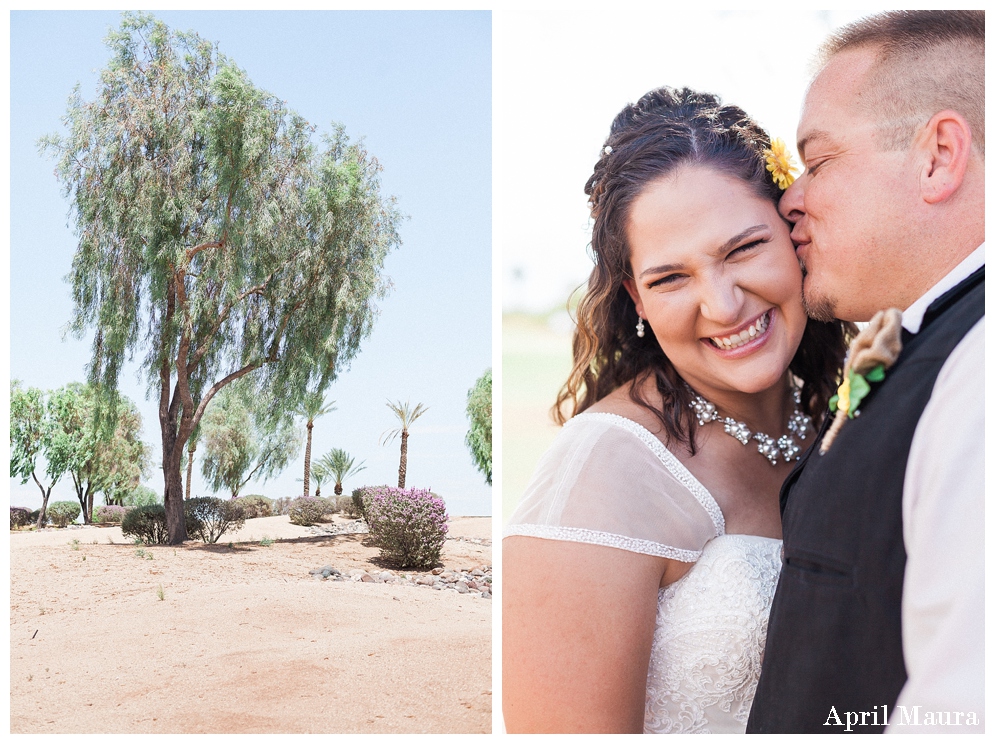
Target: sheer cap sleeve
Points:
(606, 480)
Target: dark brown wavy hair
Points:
(666, 129)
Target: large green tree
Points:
(406, 415)
(243, 441)
(216, 239)
(107, 456)
(30, 435)
(478, 411)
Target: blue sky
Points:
(416, 86)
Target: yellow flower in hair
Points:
(779, 163)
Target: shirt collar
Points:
(912, 317)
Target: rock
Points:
(438, 570)
(461, 587)
(366, 577)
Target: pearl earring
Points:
(640, 328)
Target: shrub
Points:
(331, 505)
(147, 523)
(256, 506)
(307, 510)
(61, 513)
(142, 496)
(347, 506)
(35, 514)
(357, 500)
(210, 517)
(408, 525)
(109, 514)
(20, 516)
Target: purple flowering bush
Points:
(307, 510)
(109, 514)
(408, 525)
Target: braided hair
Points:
(665, 130)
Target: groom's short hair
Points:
(927, 61)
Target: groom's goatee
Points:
(818, 308)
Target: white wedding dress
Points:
(606, 480)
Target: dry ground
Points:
(241, 639)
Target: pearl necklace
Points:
(784, 446)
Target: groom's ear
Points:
(945, 144)
(630, 287)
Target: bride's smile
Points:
(714, 274)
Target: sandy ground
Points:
(241, 639)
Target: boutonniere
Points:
(872, 352)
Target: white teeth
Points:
(738, 339)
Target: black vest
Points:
(834, 639)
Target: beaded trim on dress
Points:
(613, 540)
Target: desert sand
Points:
(241, 638)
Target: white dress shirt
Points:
(943, 519)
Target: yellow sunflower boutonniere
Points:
(780, 164)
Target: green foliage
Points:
(141, 495)
(20, 516)
(409, 526)
(307, 510)
(256, 506)
(358, 502)
(106, 455)
(209, 518)
(340, 465)
(146, 524)
(62, 513)
(31, 428)
(478, 410)
(242, 440)
(216, 238)
(347, 505)
(281, 506)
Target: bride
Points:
(639, 567)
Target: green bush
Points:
(256, 506)
(307, 510)
(142, 496)
(357, 500)
(348, 507)
(408, 525)
(20, 516)
(35, 514)
(210, 517)
(331, 505)
(62, 513)
(147, 523)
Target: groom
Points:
(878, 620)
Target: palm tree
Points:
(339, 464)
(407, 416)
(311, 408)
(318, 475)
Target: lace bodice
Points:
(708, 644)
(608, 481)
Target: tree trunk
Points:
(173, 500)
(307, 460)
(45, 493)
(190, 450)
(402, 471)
(88, 512)
(338, 488)
(317, 492)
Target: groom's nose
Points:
(792, 201)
